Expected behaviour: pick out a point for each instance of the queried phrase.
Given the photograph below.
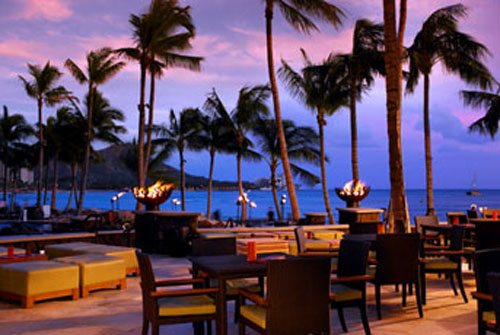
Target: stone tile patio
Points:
(113, 312)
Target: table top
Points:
(319, 214)
(23, 258)
(360, 210)
(229, 265)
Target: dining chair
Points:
(303, 250)
(462, 217)
(349, 287)
(297, 300)
(397, 263)
(447, 261)
(485, 261)
(164, 307)
(432, 237)
(494, 282)
(218, 247)
(486, 235)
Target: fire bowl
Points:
(353, 193)
(153, 196)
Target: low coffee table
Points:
(23, 258)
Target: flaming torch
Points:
(153, 195)
(353, 192)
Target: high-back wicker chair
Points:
(163, 307)
(427, 219)
(297, 302)
(487, 235)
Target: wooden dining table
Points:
(227, 267)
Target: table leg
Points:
(222, 308)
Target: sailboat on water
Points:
(474, 190)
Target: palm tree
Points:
(250, 107)
(365, 59)
(299, 14)
(440, 41)
(302, 147)
(398, 217)
(44, 91)
(101, 67)
(159, 35)
(214, 137)
(488, 124)
(323, 89)
(13, 130)
(181, 134)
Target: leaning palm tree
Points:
(250, 107)
(13, 130)
(488, 124)
(102, 65)
(302, 147)
(44, 90)
(159, 35)
(214, 137)
(324, 90)
(440, 41)
(299, 14)
(364, 61)
(181, 134)
(398, 216)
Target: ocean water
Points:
(309, 201)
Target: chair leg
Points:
(364, 318)
(404, 294)
(241, 328)
(145, 325)
(418, 294)
(340, 311)
(423, 285)
(236, 310)
(377, 298)
(396, 288)
(452, 283)
(198, 328)
(155, 329)
(461, 285)
(209, 327)
(410, 288)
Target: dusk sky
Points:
(230, 35)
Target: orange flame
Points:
(353, 188)
(157, 190)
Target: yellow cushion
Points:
(489, 316)
(66, 249)
(186, 305)
(328, 235)
(345, 293)
(127, 254)
(96, 269)
(440, 264)
(217, 235)
(311, 246)
(254, 313)
(17, 251)
(31, 278)
(233, 285)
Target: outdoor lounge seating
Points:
(349, 288)
(303, 248)
(28, 282)
(297, 299)
(163, 307)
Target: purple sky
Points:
(230, 35)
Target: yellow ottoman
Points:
(127, 254)
(314, 245)
(66, 249)
(28, 282)
(328, 234)
(262, 245)
(98, 271)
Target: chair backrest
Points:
(214, 246)
(298, 293)
(397, 258)
(462, 218)
(487, 235)
(457, 241)
(494, 282)
(300, 237)
(149, 304)
(352, 261)
(425, 219)
(485, 261)
(363, 228)
(472, 214)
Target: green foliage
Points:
(488, 124)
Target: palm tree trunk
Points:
(321, 123)
(14, 190)
(140, 140)
(150, 125)
(55, 181)
(210, 178)
(240, 190)
(183, 180)
(40, 154)
(86, 162)
(354, 130)
(73, 189)
(428, 152)
(5, 181)
(46, 182)
(277, 113)
(398, 219)
(275, 191)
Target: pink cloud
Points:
(23, 50)
(52, 10)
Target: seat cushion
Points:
(96, 269)
(127, 254)
(440, 264)
(186, 305)
(328, 234)
(233, 285)
(489, 316)
(66, 249)
(255, 314)
(345, 293)
(38, 277)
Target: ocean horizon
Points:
(310, 200)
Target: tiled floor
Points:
(112, 312)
